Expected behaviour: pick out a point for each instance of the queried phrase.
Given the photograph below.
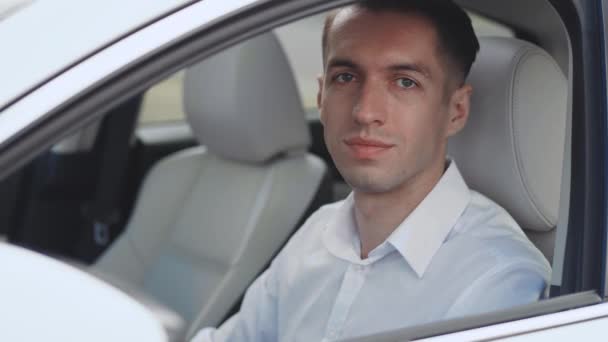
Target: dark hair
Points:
(457, 40)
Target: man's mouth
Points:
(366, 148)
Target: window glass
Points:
(486, 27)
(163, 102)
(301, 42)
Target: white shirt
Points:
(457, 253)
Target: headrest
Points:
(243, 104)
(512, 147)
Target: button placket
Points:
(352, 283)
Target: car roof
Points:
(45, 37)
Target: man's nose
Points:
(371, 104)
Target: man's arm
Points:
(501, 288)
(257, 318)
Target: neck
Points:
(378, 214)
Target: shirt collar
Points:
(419, 236)
(340, 234)
(423, 232)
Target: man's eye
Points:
(344, 78)
(406, 83)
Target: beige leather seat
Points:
(512, 148)
(209, 219)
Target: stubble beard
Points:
(367, 182)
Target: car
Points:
(123, 209)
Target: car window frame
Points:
(585, 256)
(90, 104)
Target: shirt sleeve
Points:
(256, 320)
(500, 289)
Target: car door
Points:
(61, 105)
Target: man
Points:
(411, 244)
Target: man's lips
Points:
(367, 142)
(366, 148)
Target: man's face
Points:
(385, 99)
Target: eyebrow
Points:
(341, 62)
(415, 67)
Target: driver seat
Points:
(512, 147)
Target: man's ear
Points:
(460, 104)
(320, 95)
(319, 91)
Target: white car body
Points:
(46, 309)
(45, 63)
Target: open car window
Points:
(62, 187)
(300, 39)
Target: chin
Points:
(370, 184)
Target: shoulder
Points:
(322, 214)
(483, 217)
(487, 222)
(308, 236)
(501, 266)
(487, 237)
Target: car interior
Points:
(183, 213)
(210, 217)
